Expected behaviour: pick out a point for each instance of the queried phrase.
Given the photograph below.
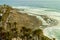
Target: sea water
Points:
(53, 31)
(53, 8)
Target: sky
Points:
(34, 3)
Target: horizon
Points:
(16, 15)
(55, 4)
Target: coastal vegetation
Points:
(21, 26)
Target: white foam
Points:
(42, 11)
(51, 32)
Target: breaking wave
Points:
(51, 32)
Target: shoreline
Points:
(57, 16)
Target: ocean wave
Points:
(52, 32)
(49, 31)
(39, 11)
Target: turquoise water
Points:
(53, 4)
(52, 32)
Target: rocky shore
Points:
(15, 24)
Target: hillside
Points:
(11, 15)
(14, 23)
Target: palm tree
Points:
(1, 32)
(22, 33)
(8, 35)
(38, 33)
(14, 32)
(22, 37)
(1, 28)
(26, 32)
(53, 38)
(8, 25)
(0, 18)
(30, 37)
(15, 24)
(45, 38)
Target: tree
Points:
(8, 35)
(53, 38)
(15, 24)
(25, 33)
(8, 25)
(22, 33)
(1, 28)
(28, 33)
(14, 33)
(0, 18)
(38, 33)
(22, 37)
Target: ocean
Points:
(51, 32)
(47, 7)
(54, 4)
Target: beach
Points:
(48, 31)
